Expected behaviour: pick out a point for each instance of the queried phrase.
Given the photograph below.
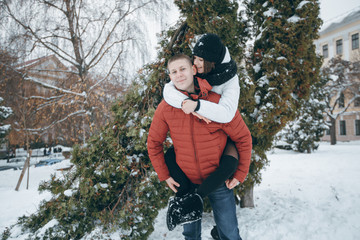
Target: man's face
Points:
(182, 75)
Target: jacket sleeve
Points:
(157, 135)
(172, 96)
(240, 134)
(225, 110)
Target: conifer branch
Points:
(177, 34)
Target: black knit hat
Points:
(210, 48)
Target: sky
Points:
(332, 9)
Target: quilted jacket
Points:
(198, 145)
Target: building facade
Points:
(341, 39)
(48, 70)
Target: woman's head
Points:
(209, 49)
(203, 66)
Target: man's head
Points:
(181, 72)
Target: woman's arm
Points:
(172, 96)
(225, 110)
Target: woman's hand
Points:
(201, 117)
(172, 184)
(232, 183)
(188, 106)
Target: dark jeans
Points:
(221, 198)
(224, 209)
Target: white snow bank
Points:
(302, 196)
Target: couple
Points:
(212, 144)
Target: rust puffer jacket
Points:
(198, 145)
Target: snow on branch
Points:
(271, 12)
(294, 19)
(43, 129)
(29, 78)
(302, 4)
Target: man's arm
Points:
(240, 135)
(157, 135)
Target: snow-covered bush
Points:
(5, 112)
(304, 133)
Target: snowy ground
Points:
(302, 196)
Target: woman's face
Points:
(199, 64)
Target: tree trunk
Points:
(26, 165)
(247, 201)
(333, 131)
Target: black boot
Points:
(184, 209)
(214, 233)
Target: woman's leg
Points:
(230, 149)
(227, 166)
(185, 206)
(177, 174)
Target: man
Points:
(198, 147)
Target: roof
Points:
(47, 69)
(37, 61)
(348, 19)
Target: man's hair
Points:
(178, 57)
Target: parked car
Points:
(3, 168)
(47, 162)
(17, 159)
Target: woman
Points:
(213, 63)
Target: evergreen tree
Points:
(308, 128)
(5, 112)
(282, 67)
(112, 185)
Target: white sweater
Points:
(224, 111)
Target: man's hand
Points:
(231, 183)
(188, 106)
(172, 184)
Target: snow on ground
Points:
(14, 204)
(302, 196)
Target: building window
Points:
(325, 51)
(341, 101)
(357, 127)
(327, 131)
(355, 41)
(339, 47)
(357, 102)
(342, 127)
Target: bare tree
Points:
(342, 88)
(24, 116)
(91, 39)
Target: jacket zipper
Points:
(192, 137)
